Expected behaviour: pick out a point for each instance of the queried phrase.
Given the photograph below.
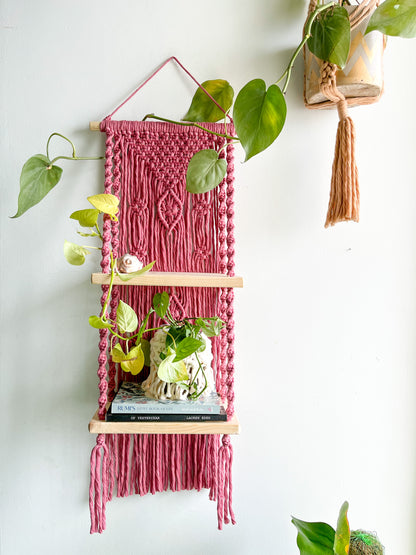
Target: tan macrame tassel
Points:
(344, 200)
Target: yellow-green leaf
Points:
(106, 203)
(203, 108)
(172, 372)
(75, 254)
(134, 362)
(87, 217)
(342, 533)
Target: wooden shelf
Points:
(97, 426)
(178, 279)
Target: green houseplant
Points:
(319, 538)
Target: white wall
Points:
(326, 316)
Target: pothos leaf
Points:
(172, 372)
(331, 32)
(259, 116)
(134, 361)
(86, 218)
(314, 538)
(117, 353)
(145, 345)
(205, 171)
(126, 318)
(75, 254)
(37, 178)
(203, 108)
(161, 303)
(98, 323)
(187, 347)
(396, 18)
(105, 202)
(342, 533)
(127, 277)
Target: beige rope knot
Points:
(342, 108)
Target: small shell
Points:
(128, 264)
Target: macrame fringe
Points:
(153, 463)
(344, 199)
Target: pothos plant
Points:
(319, 538)
(128, 346)
(259, 111)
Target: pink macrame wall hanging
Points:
(145, 167)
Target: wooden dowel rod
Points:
(95, 125)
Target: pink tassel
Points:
(225, 488)
(98, 485)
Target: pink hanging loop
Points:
(155, 73)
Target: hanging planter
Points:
(353, 77)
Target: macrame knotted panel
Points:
(359, 83)
(145, 168)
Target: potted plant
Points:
(320, 538)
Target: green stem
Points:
(63, 137)
(198, 394)
(306, 37)
(192, 124)
(110, 288)
(75, 158)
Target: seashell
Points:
(128, 264)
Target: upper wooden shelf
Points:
(97, 426)
(178, 279)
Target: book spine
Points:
(134, 408)
(165, 417)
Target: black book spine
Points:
(165, 417)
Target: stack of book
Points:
(131, 405)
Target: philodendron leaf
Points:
(106, 203)
(187, 347)
(38, 177)
(331, 33)
(342, 533)
(203, 108)
(161, 303)
(127, 277)
(134, 361)
(259, 116)
(211, 327)
(75, 254)
(126, 318)
(396, 18)
(205, 171)
(98, 323)
(314, 538)
(172, 372)
(87, 217)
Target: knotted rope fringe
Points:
(344, 198)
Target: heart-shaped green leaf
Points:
(172, 372)
(331, 34)
(314, 538)
(145, 345)
(74, 253)
(342, 533)
(259, 116)
(127, 277)
(161, 303)
(105, 202)
(87, 217)
(205, 171)
(37, 178)
(134, 361)
(187, 347)
(126, 318)
(97, 323)
(211, 327)
(396, 18)
(203, 108)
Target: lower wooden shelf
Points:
(97, 426)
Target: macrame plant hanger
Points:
(344, 200)
(145, 167)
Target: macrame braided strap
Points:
(344, 199)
